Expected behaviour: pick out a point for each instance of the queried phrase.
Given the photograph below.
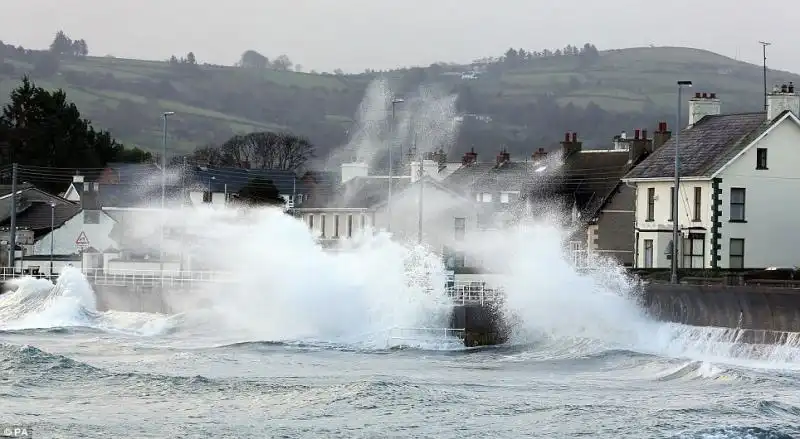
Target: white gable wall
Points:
(771, 208)
(65, 236)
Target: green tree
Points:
(42, 128)
(259, 192)
(251, 59)
(190, 58)
(62, 44)
(80, 49)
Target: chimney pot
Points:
(791, 87)
(705, 95)
(574, 137)
(713, 95)
(697, 95)
(644, 134)
(636, 134)
(784, 88)
(566, 137)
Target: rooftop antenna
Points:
(764, 45)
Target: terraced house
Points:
(736, 196)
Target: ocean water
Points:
(315, 344)
(71, 371)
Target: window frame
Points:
(651, 204)
(742, 203)
(761, 156)
(732, 255)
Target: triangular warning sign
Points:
(82, 239)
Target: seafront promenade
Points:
(462, 293)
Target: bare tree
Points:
(259, 150)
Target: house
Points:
(217, 186)
(38, 212)
(738, 179)
(361, 204)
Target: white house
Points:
(361, 204)
(738, 184)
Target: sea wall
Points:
(751, 308)
(482, 324)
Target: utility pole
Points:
(764, 45)
(395, 101)
(12, 233)
(676, 189)
(421, 197)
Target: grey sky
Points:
(358, 34)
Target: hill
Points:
(528, 98)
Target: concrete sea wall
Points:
(765, 314)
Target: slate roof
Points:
(34, 211)
(360, 193)
(705, 147)
(287, 182)
(592, 177)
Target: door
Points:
(648, 253)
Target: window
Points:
(460, 260)
(349, 226)
(761, 158)
(461, 228)
(487, 197)
(698, 202)
(651, 204)
(648, 253)
(322, 226)
(693, 250)
(363, 221)
(737, 204)
(336, 226)
(311, 221)
(671, 203)
(504, 197)
(91, 217)
(736, 252)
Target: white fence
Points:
(460, 292)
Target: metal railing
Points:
(473, 293)
(170, 278)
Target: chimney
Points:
(661, 136)
(539, 155)
(703, 105)
(639, 147)
(783, 99)
(570, 145)
(470, 158)
(503, 157)
(353, 170)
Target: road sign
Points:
(82, 241)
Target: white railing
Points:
(464, 293)
(100, 276)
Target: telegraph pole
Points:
(764, 45)
(12, 233)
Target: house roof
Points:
(123, 195)
(359, 193)
(592, 177)
(34, 211)
(234, 179)
(704, 147)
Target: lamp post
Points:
(52, 238)
(165, 115)
(676, 190)
(764, 45)
(395, 101)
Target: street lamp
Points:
(395, 101)
(165, 115)
(676, 190)
(52, 237)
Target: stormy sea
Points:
(323, 346)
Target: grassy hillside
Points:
(530, 105)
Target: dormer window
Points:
(761, 158)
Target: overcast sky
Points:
(358, 34)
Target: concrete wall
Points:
(745, 307)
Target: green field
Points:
(213, 103)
